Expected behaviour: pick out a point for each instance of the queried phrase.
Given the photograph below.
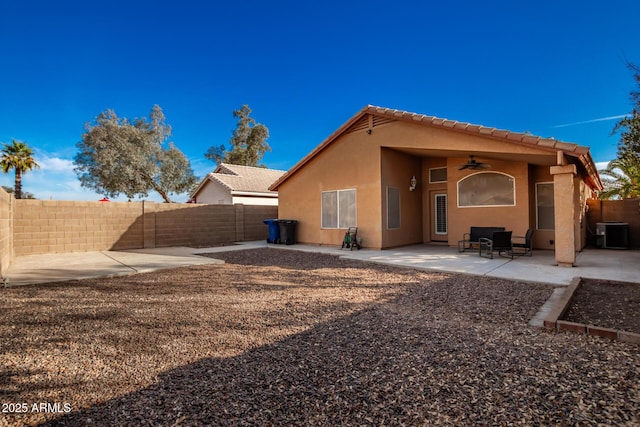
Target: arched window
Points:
(487, 189)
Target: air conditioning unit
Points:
(612, 235)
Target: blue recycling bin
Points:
(274, 230)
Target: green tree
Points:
(248, 142)
(19, 157)
(117, 156)
(629, 126)
(25, 194)
(621, 178)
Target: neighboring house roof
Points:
(242, 179)
(383, 115)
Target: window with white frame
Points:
(339, 209)
(485, 189)
(393, 208)
(545, 216)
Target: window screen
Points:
(487, 189)
(545, 206)
(393, 207)
(339, 209)
(437, 175)
(330, 209)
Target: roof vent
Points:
(361, 124)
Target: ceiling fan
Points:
(474, 164)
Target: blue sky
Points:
(553, 68)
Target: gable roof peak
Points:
(239, 178)
(232, 169)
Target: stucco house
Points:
(233, 184)
(404, 178)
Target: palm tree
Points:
(18, 156)
(621, 178)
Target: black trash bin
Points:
(274, 230)
(287, 231)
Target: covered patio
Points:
(407, 178)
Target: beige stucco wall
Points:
(352, 162)
(397, 170)
(513, 218)
(213, 194)
(565, 197)
(390, 155)
(409, 135)
(428, 191)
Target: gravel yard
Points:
(278, 337)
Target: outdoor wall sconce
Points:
(413, 183)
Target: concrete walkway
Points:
(620, 265)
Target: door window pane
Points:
(441, 213)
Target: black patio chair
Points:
(524, 245)
(500, 241)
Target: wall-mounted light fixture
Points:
(413, 183)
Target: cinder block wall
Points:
(41, 226)
(44, 226)
(254, 227)
(194, 225)
(627, 210)
(205, 225)
(6, 235)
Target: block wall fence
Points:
(627, 210)
(6, 234)
(30, 227)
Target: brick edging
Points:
(553, 320)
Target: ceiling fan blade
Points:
(473, 164)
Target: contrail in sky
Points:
(601, 119)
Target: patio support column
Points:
(564, 214)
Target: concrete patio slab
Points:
(622, 265)
(606, 264)
(33, 269)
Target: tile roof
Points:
(238, 178)
(573, 150)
